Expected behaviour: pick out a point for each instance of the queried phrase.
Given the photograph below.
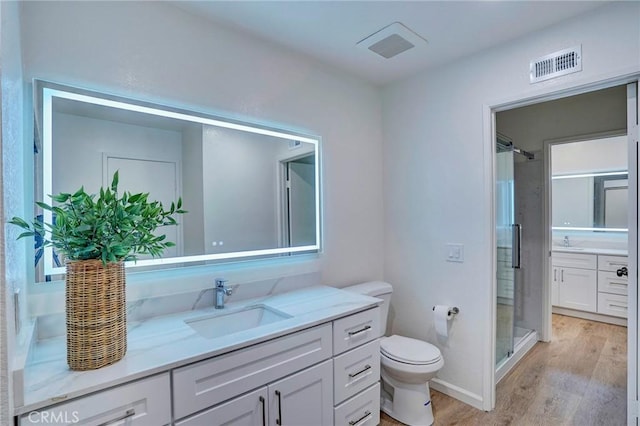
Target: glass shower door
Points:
(506, 257)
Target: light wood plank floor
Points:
(579, 379)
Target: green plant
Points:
(109, 227)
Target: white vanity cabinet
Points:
(305, 378)
(145, 402)
(574, 281)
(327, 374)
(589, 283)
(304, 398)
(612, 289)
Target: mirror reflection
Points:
(589, 189)
(249, 190)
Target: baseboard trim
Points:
(457, 392)
(589, 316)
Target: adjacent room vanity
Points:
(317, 363)
(590, 283)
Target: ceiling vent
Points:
(392, 40)
(559, 63)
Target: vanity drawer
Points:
(572, 260)
(210, 382)
(612, 263)
(361, 410)
(610, 282)
(355, 330)
(612, 304)
(146, 402)
(356, 370)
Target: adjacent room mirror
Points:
(251, 191)
(589, 185)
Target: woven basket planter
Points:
(96, 314)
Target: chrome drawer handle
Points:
(367, 416)
(362, 330)
(366, 368)
(126, 415)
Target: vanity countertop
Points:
(591, 250)
(162, 343)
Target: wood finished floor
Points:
(580, 379)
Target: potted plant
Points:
(96, 234)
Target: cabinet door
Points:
(578, 289)
(246, 410)
(303, 399)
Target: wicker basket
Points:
(96, 314)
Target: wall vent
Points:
(559, 63)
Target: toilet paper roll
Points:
(441, 315)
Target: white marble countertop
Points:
(591, 250)
(163, 343)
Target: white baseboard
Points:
(589, 315)
(457, 392)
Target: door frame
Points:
(489, 136)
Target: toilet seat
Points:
(409, 351)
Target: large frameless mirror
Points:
(251, 191)
(589, 185)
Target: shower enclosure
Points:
(509, 337)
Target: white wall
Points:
(155, 51)
(13, 254)
(590, 156)
(438, 180)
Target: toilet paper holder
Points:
(452, 311)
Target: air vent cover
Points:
(559, 63)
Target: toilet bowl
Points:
(407, 366)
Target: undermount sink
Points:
(224, 323)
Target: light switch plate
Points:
(455, 253)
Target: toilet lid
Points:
(408, 350)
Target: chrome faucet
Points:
(566, 241)
(221, 291)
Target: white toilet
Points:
(407, 366)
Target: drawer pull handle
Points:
(365, 369)
(129, 413)
(279, 419)
(622, 271)
(264, 414)
(367, 416)
(362, 330)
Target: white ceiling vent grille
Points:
(559, 63)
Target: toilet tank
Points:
(379, 289)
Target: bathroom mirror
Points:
(589, 185)
(251, 191)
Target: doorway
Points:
(551, 122)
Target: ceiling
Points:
(329, 30)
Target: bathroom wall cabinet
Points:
(324, 375)
(589, 283)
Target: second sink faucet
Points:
(221, 291)
(566, 241)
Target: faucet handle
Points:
(220, 282)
